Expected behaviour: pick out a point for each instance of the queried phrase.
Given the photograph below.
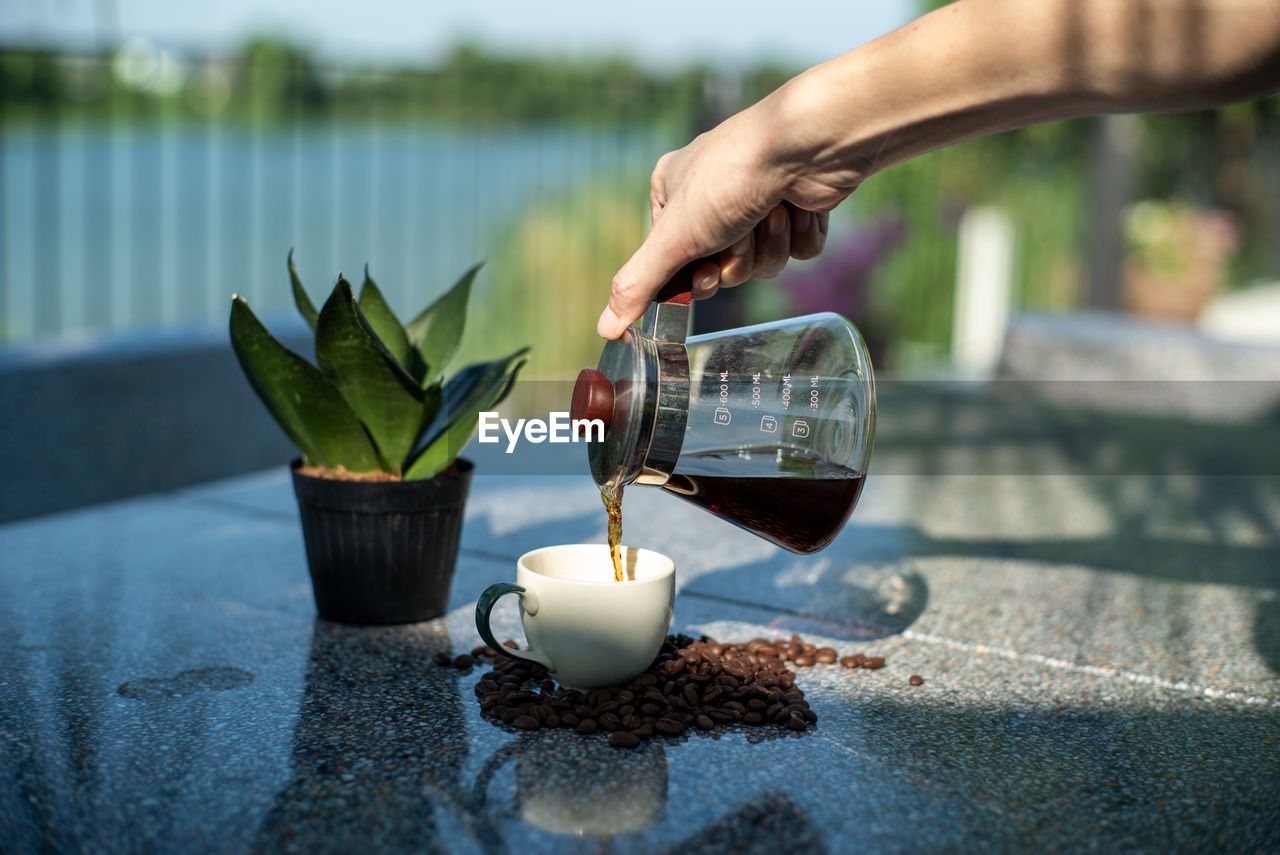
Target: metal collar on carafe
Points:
(640, 390)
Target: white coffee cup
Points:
(587, 629)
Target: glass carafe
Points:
(769, 427)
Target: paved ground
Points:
(1101, 654)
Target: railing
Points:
(128, 208)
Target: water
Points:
(127, 227)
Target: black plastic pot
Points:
(382, 552)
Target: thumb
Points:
(639, 280)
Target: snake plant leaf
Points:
(387, 327)
(480, 386)
(442, 451)
(432, 397)
(300, 299)
(436, 333)
(386, 398)
(306, 404)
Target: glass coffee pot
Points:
(769, 427)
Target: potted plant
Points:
(380, 486)
(1177, 257)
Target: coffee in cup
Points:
(588, 630)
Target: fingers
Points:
(787, 232)
(773, 244)
(737, 261)
(808, 233)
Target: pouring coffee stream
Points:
(769, 427)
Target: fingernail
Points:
(609, 326)
(777, 221)
(741, 247)
(707, 281)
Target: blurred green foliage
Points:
(272, 81)
(1227, 158)
(553, 273)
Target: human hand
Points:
(717, 198)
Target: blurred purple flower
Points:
(840, 279)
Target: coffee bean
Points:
(463, 661)
(699, 683)
(804, 659)
(623, 739)
(668, 727)
(825, 655)
(916, 680)
(874, 662)
(850, 661)
(443, 658)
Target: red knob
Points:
(592, 397)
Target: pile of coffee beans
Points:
(699, 684)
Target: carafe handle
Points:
(668, 317)
(679, 289)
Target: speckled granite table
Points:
(1100, 650)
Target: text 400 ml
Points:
(815, 397)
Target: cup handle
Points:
(484, 608)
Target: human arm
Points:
(971, 68)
